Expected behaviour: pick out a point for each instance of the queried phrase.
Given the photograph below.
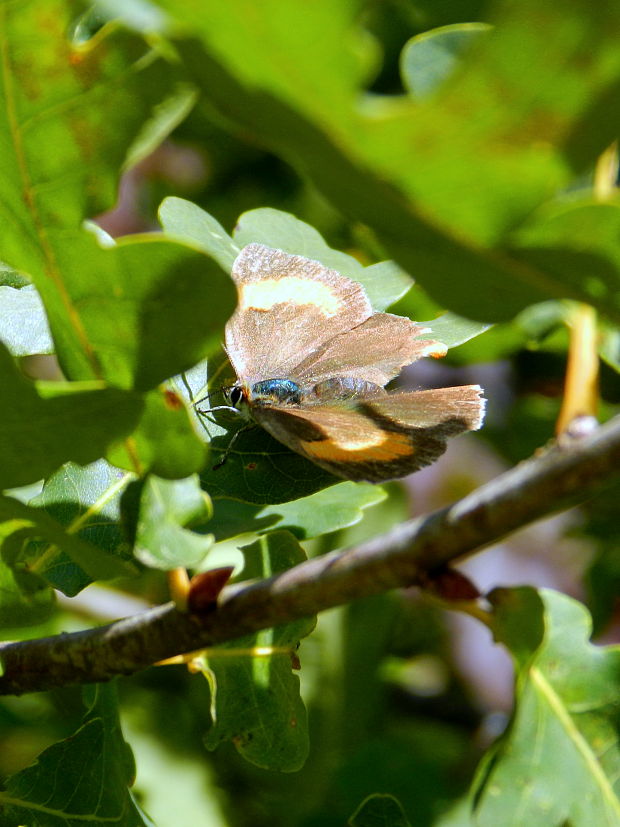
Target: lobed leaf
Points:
(323, 512)
(168, 509)
(559, 761)
(81, 780)
(86, 503)
(255, 695)
(383, 282)
(188, 222)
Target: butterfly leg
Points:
(241, 430)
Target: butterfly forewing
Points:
(288, 307)
(375, 351)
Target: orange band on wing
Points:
(392, 445)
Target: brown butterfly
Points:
(312, 360)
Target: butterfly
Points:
(312, 360)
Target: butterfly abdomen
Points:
(344, 387)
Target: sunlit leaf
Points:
(442, 183)
(164, 441)
(331, 509)
(384, 282)
(429, 59)
(21, 523)
(168, 510)
(23, 323)
(559, 761)
(86, 502)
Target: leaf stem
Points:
(581, 386)
(581, 383)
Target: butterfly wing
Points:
(375, 350)
(376, 438)
(288, 307)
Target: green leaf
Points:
(86, 502)
(255, 695)
(188, 222)
(384, 283)
(81, 780)
(168, 508)
(379, 811)
(136, 313)
(453, 330)
(559, 761)
(23, 323)
(167, 115)
(259, 470)
(20, 523)
(393, 508)
(45, 424)
(443, 188)
(331, 509)
(23, 603)
(108, 309)
(62, 143)
(164, 442)
(511, 606)
(575, 242)
(428, 59)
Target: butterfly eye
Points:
(236, 395)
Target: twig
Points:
(568, 473)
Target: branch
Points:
(566, 474)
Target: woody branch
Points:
(564, 475)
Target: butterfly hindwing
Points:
(376, 438)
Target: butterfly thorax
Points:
(278, 392)
(266, 392)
